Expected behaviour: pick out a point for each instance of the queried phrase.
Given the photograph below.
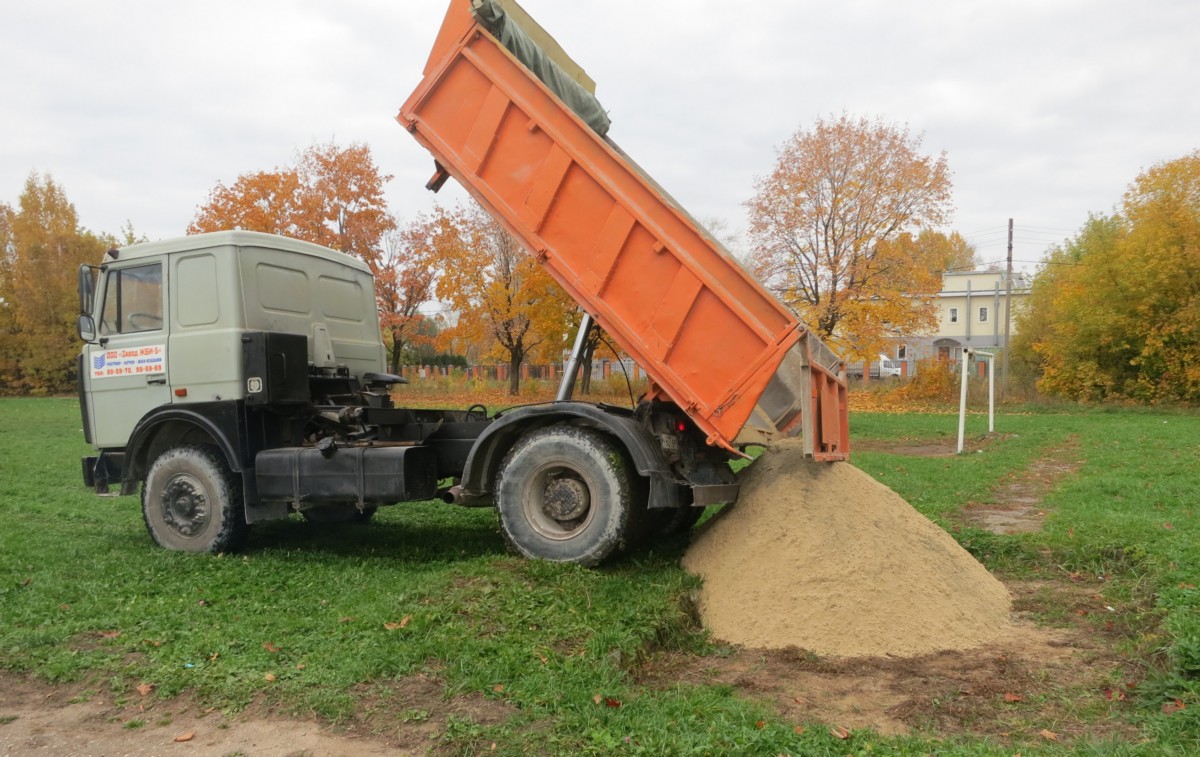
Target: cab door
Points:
(127, 366)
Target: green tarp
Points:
(515, 39)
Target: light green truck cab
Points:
(169, 319)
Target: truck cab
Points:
(186, 305)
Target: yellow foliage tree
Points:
(43, 248)
(832, 231)
(1115, 312)
(502, 297)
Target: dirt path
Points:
(1016, 504)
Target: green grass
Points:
(328, 621)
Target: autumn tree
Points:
(500, 293)
(403, 284)
(826, 230)
(333, 197)
(1115, 311)
(43, 248)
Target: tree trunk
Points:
(515, 357)
(397, 346)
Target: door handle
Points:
(159, 380)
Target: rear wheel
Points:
(192, 502)
(567, 494)
(671, 521)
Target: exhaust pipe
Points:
(456, 496)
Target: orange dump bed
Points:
(713, 340)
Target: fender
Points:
(220, 422)
(483, 462)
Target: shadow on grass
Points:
(408, 533)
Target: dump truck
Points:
(238, 377)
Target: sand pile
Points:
(824, 557)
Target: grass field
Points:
(342, 623)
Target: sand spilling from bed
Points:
(823, 557)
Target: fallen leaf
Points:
(838, 732)
(391, 626)
(1011, 697)
(185, 737)
(404, 620)
(1049, 735)
(761, 724)
(1172, 707)
(145, 688)
(610, 702)
(799, 730)
(1114, 695)
(498, 688)
(1168, 526)
(271, 648)
(597, 699)
(269, 678)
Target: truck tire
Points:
(192, 502)
(672, 521)
(338, 514)
(567, 494)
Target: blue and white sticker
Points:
(129, 361)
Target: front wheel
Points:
(192, 502)
(567, 494)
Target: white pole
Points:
(991, 394)
(962, 400)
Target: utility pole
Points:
(1008, 277)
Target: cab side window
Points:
(133, 300)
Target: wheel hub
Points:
(185, 505)
(566, 499)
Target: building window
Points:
(954, 315)
(983, 315)
(902, 352)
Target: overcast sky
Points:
(1046, 109)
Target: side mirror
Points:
(87, 328)
(87, 287)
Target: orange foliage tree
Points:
(502, 297)
(403, 284)
(832, 231)
(333, 196)
(43, 247)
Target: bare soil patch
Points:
(1068, 680)
(404, 717)
(924, 447)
